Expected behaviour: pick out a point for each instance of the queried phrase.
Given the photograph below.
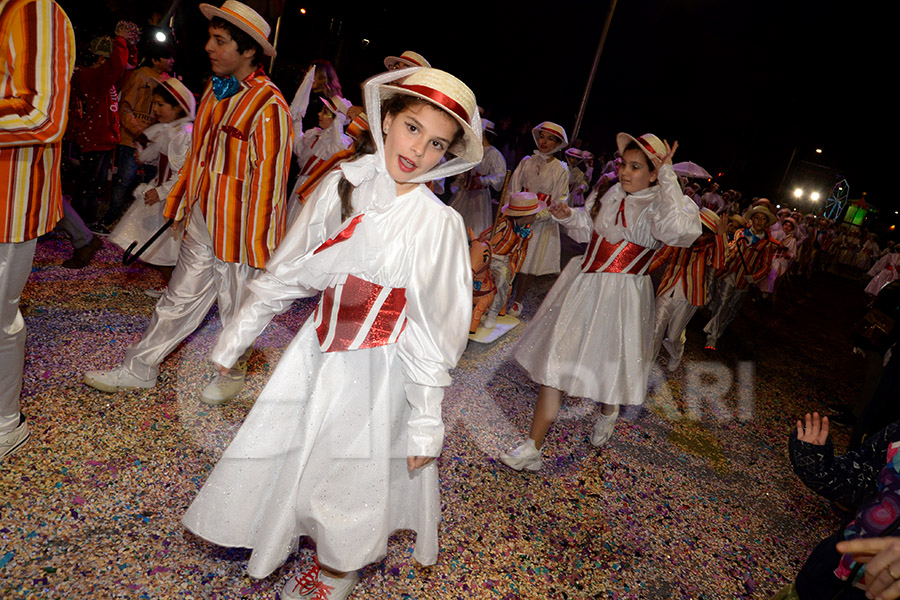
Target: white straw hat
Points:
(449, 93)
(554, 129)
(651, 145)
(246, 19)
(407, 59)
(522, 204)
(336, 104)
(183, 95)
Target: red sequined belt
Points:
(359, 314)
(623, 257)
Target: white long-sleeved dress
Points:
(549, 179)
(591, 337)
(473, 201)
(323, 451)
(168, 148)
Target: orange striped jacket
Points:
(236, 174)
(745, 258)
(37, 57)
(689, 266)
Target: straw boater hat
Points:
(759, 208)
(522, 204)
(180, 92)
(739, 220)
(246, 19)
(575, 153)
(407, 59)
(709, 218)
(651, 145)
(449, 93)
(553, 128)
(336, 104)
(359, 124)
(487, 126)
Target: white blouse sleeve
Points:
(495, 171)
(276, 288)
(438, 310)
(674, 218)
(177, 151)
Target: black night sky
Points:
(742, 85)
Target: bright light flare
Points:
(798, 193)
(818, 151)
(160, 36)
(815, 196)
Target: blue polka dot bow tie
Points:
(225, 87)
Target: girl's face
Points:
(319, 81)
(326, 117)
(415, 140)
(634, 174)
(547, 142)
(787, 227)
(162, 111)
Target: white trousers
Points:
(673, 313)
(503, 279)
(15, 266)
(199, 280)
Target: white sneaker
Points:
(12, 441)
(673, 362)
(313, 584)
(156, 292)
(527, 456)
(222, 389)
(515, 310)
(490, 321)
(604, 427)
(116, 380)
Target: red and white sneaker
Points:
(515, 310)
(313, 584)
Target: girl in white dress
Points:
(591, 337)
(547, 177)
(341, 442)
(165, 145)
(472, 190)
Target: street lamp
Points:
(798, 193)
(815, 196)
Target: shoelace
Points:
(323, 592)
(307, 581)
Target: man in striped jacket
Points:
(231, 191)
(37, 57)
(683, 288)
(749, 262)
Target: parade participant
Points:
(165, 146)
(749, 262)
(578, 182)
(135, 116)
(591, 336)
(547, 177)
(472, 190)
(37, 58)
(508, 240)
(341, 442)
(775, 230)
(683, 288)
(404, 61)
(231, 191)
(315, 146)
(736, 224)
(783, 257)
(95, 120)
(883, 272)
(712, 200)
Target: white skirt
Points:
(475, 208)
(139, 224)
(591, 337)
(321, 454)
(542, 257)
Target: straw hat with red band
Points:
(651, 145)
(449, 93)
(709, 218)
(552, 128)
(180, 92)
(522, 204)
(407, 59)
(246, 19)
(336, 104)
(759, 209)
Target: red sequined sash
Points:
(623, 257)
(359, 314)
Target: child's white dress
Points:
(549, 179)
(323, 451)
(169, 146)
(591, 337)
(474, 201)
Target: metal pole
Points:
(275, 43)
(590, 82)
(783, 177)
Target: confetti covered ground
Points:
(689, 500)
